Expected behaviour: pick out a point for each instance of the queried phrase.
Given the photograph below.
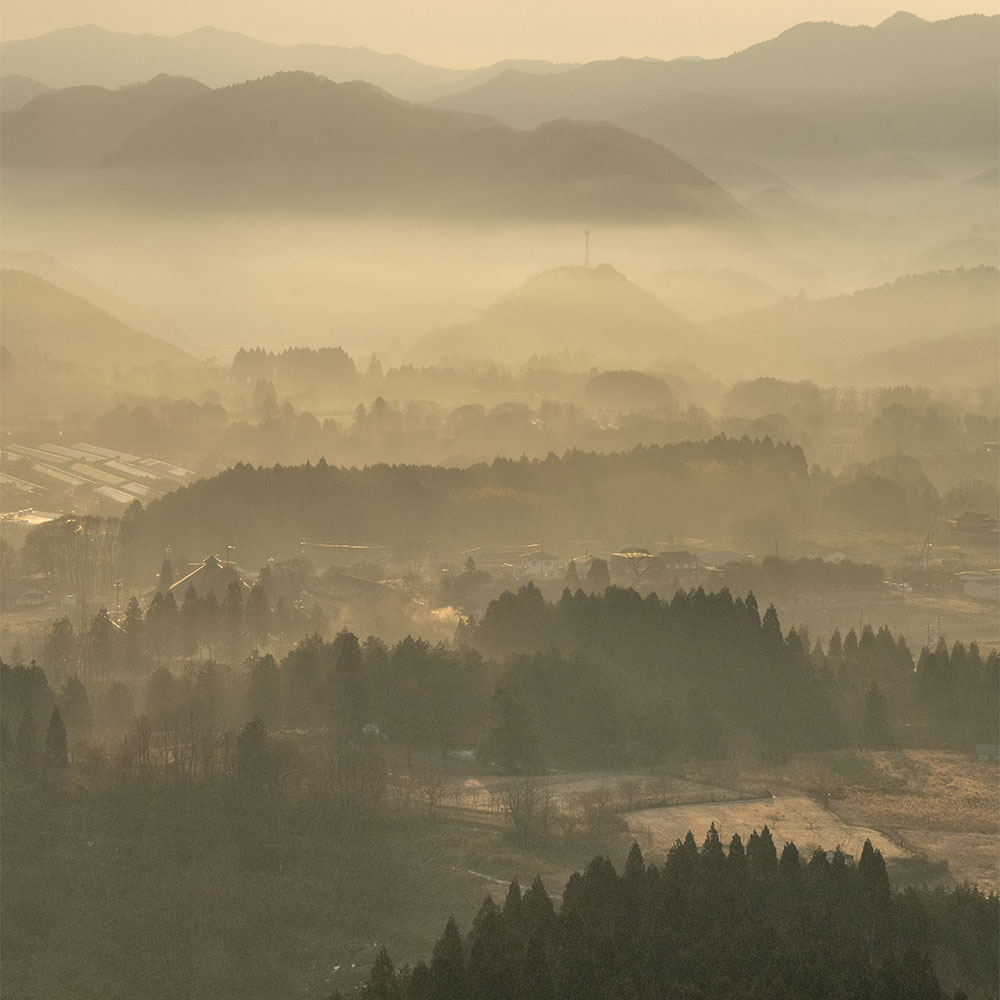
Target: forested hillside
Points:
(268, 512)
(712, 924)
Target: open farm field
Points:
(946, 806)
(941, 805)
(790, 818)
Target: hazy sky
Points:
(459, 33)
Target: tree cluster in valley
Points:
(600, 680)
(693, 487)
(712, 923)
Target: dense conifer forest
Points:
(592, 680)
(268, 512)
(711, 925)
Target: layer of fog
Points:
(212, 284)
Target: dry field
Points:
(790, 818)
(946, 806)
(942, 805)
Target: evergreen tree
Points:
(537, 910)
(133, 629)
(211, 622)
(535, 981)
(511, 739)
(383, 984)
(258, 614)
(712, 855)
(447, 973)
(263, 689)
(101, 644)
(233, 617)
(253, 757)
(512, 915)
(351, 703)
(374, 375)
(76, 711)
(419, 985)
(876, 720)
(191, 623)
(27, 745)
(487, 974)
(762, 855)
(60, 654)
(56, 749)
(7, 749)
(737, 857)
(835, 650)
(598, 577)
(874, 878)
(790, 864)
(166, 578)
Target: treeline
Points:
(695, 486)
(773, 575)
(181, 862)
(588, 681)
(713, 923)
(416, 694)
(265, 428)
(331, 367)
(706, 674)
(165, 632)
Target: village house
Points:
(679, 561)
(212, 576)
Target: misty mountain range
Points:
(907, 110)
(941, 325)
(795, 336)
(299, 140)
(819, 90)
(595, 311)
(88, 54)
(39, 317)
(821, 103)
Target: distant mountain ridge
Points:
(80, 126)
(906, 85)
(956, 360)
(800, 337)
(596, 311)
(45, 266)
(90, 55)
(16, 90)
(296, 140)
(38, 317)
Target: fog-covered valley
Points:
(415, 480)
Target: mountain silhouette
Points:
(596, 311)
(38, 317)
(295, 140)
(16, 90)
(959, 360)
(92, 55)
(925, 88)
(801, 337)
(703, 294)
(80, 126)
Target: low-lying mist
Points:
(212, 284)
